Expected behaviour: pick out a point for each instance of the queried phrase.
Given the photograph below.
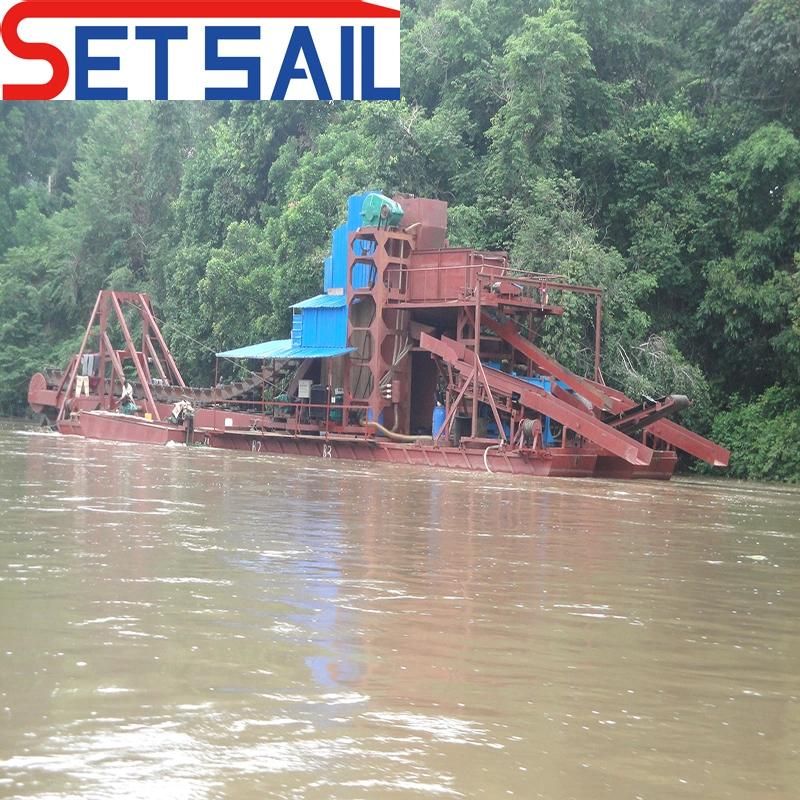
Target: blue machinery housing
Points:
(319, 324)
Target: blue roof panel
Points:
(283, 349)
(323, 301)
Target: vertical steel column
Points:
(598, 322)
(145, 341)
(476, 324)
(104, 356)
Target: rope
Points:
(211, 350)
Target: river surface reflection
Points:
(202, 624)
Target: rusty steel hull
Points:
(661, 467)
(563, 463)
(553, 462)
(121, 428)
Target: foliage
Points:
(647, 147)
(763, 435)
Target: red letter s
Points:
(38, 51)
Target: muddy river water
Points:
(202, 624)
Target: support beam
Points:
(490, 397)
(112, 353)
(132, 352)
(584, 424)
(105, 397)
(592, 391)
(476, 349)
(156, 360)
(481, 372)
(679, 437)
(690, 442)
(448, 420)
(76, 364)
(598, 327)
(151, 320)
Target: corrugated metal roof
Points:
(323, 301)
(283, 348)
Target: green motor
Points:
(379, 211)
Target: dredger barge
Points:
(413, 354)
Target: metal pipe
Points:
(397, 437)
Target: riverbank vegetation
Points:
(651, 147)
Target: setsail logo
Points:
(133, 50)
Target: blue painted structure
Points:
(320, 321)
(319, 330)
(336, 263)
(439, 417)
(319, 324)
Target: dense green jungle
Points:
(651, 147)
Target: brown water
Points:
(203, 624)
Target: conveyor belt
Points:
(583, 423)
(606, 399)
(171, 394)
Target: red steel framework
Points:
(408, 294)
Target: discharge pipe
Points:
(397, 437)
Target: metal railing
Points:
(441, 283)
(296, 417)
